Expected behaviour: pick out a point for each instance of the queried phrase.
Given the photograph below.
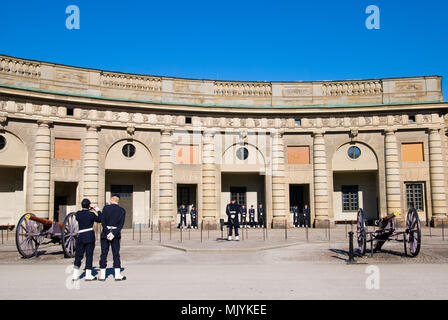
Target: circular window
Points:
(242, 153)
(354, 152)
(2, 142)
(128, 150)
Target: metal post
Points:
(202, 224)
(286, 230)
(443, 232)
(264, 235)
(430, 234)
(2, 236)
(404, 244)
(140, 234)
(306, 232)
(180, 234)
(133, 227)
(266, 230)
(160, 233)
(208, 230)
(350, 248)
(7, 233)
(170, 230)
(345, 228)
(189, 234)
(247, 233)
(152, 228)
(351, 226)
(371, 245)
(329, 230)
(326, 232)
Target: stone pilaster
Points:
(321, 199)
(209, 208)
(279, 212)
(437, 176)
(393, 184)
(42, 170)
(167, 209)
(91, 165)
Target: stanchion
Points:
(7, 233)
(152, 228)
(345, 222)
(430, 233)
(266, 229)
(306, 232)
(326, 232)
(180, 233)
(247, 233)
(350, 248)
(264, 235)
(443, 232)
(202, 224)
(133, 227)
(2, 236)
(329, 230)
(286, 230)
(160, 233)
(208, 230)
(170, 230)
(189, 234)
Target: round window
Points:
(242, 153)
(354, 152)
(128, 150)
(2, 142)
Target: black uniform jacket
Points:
(113, 215)
(260, 212)
(234, 208)
(252, 212)
(194, 213)
(85, 220)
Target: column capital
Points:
(390, 131)
(44, 123)
(277, 133)
(318, 133)
(209, 132)
(166, 131)
(93, 127)
(434, 130)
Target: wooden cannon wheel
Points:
(413, 229)
(28, 234)
(361, 232)
(69, 235)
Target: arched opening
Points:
(355, 182)
(129, 165)
(13, 163)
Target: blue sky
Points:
(235, 40)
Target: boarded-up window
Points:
(67, 149)
(187, 154)
(298, 155)
(412, 152)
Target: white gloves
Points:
(110, 236)
(232, 216)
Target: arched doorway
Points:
(355, 182)
(129, 165)
(13, 163)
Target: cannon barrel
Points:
(45, 222)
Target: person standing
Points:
(194, 217)
(295, 212)
(85, 243)
(112, 219)
(243, 216)
(306, 216)
(183, 216)
(252, 217)
(260, 217)
(233, 209)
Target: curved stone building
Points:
(67, 133)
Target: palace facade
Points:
(67, 133)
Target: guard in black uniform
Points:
(86, 239)
(295, 212)
(243, 216)
(183, 216)
(260, 217)
(194, 217)
(252, 217)
(306, 217)
(112, 219)
(233, 210)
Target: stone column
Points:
(167, 210)
(209, 209)
(437, 175)
(42, 170)
(91, 165)
(321, 199)
(393, 184)
(279, 212)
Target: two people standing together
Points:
(112, 220)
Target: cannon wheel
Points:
(69, 235)
(361, 232)
(415, 232)
(28, 235)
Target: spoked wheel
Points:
(361, 232)
(28, 234)
(413, 228)
(69, 235)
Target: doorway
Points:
(64, 199)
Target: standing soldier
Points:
(295, 212)
(243, 216)
(194, 217)
(233, 210)
(252, 216)
(306, 216)
(183, 216)
(260, 216)
(86, 238)
(112, 219)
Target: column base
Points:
(321, 223)
(279, 223)
(436, 222)
(210, 224)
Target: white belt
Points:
(232, 211)
(85, 230)
(111, 228)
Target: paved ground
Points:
(253, 268)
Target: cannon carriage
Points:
(32, 231)
(410, 236)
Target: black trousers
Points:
(252, 221)
(306, 221)
(233, 224)
(183, 219)
(115, 244)
(296, 220)
(301, 220)
(261, 221)
(243, 220)
(86, 248)
(194, 222)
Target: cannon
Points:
(410, 236)
(31, 232)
